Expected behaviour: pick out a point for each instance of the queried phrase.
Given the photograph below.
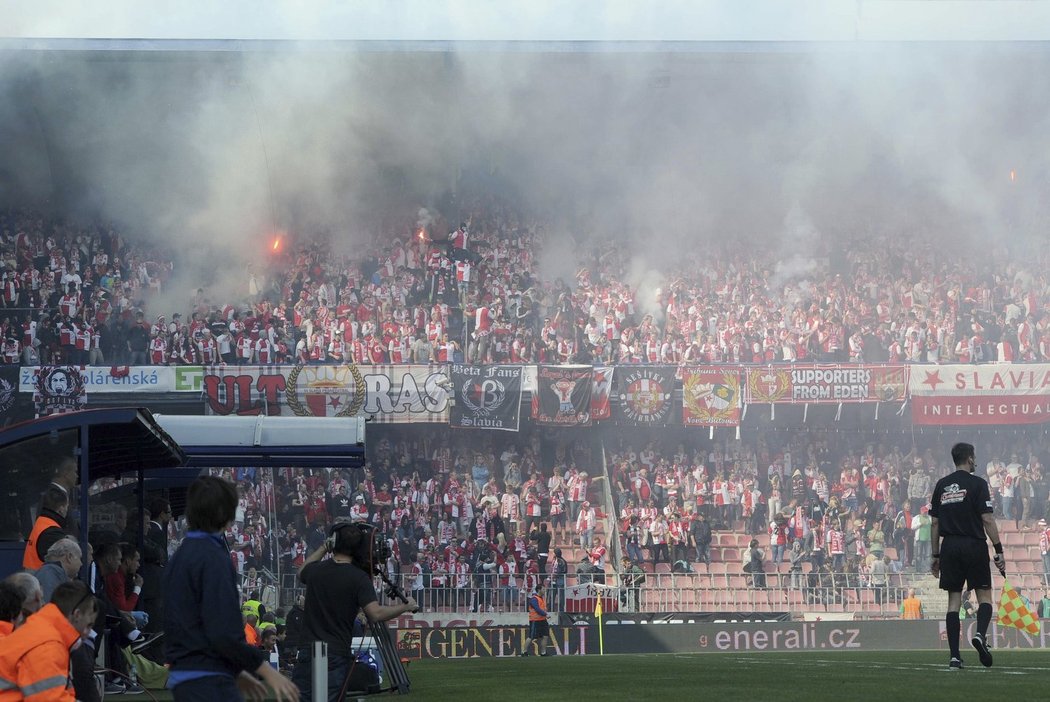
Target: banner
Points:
(830, 384)
(710, 397)
(584, 598)
(58, 390)
(563, 396)
(487, 397)
(602, 390)
(489, 642)
(996, 393)
(12, 408)
(645, 394)
(385, 394)
(160, 379)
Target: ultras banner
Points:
(386, 394)
(997, 393)
(711, 397)
(13, 409)
(645, 394)
(58, 390)
(829, 384)
(487, 397)
(563, 396)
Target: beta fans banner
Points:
(710, 397)
(563, 396)
(487, 397)
(829, 384)
(58, 390)
(997, 393)
(386, 394)
(645, 394)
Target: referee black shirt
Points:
(958, 502)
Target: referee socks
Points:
(984, 617)
(951, 628)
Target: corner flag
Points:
(1013, 612)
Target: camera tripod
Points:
(399, 681)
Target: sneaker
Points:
(525, 654)
(134, 689)
(114, 688)
(145, 641)
(982, 649)
(955, 664)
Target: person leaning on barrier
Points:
(632, 577)
(338, 589)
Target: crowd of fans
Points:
(433, 292)
(843, 508)
(461, 516)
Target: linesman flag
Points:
(1014, 612)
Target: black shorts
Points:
(537, 630)
(965, 561)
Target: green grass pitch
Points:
(880, 676)
(781, 677)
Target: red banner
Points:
(710, 397)
(998, 393)
(600, 407)
(826, 384)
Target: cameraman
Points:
(337, 590)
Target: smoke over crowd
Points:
(772, 149)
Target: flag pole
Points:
(598, 614)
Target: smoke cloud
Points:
(674, 156)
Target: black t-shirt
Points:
(958, 502)
(335, 593)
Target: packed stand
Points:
(430, 292)
(470, 524)
(826, 508)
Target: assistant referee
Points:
(961, 509)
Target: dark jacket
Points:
(202, 616)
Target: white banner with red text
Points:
(998, 393)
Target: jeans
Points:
(922, 556)
(703, 553)
(302, 675)
(634, 552)
(213, 688)
(778, 553)
(587, 538)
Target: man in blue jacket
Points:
(205, 646)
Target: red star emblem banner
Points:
(997, 393)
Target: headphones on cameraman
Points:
(365, 532)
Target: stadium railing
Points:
(701, 592)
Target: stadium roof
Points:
(260, 441)
(533, 20)
(119, 440)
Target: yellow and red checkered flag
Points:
(1014, 612)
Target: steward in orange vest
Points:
(49, 527)
(34, 660)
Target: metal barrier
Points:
(706, 592)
